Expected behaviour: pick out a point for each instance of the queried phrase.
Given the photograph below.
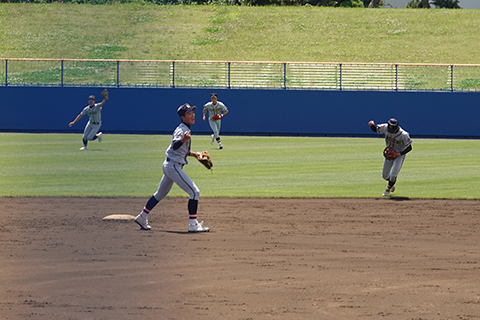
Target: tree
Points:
(449, 4)
(373, 3)
(418, 4)
(350, 3)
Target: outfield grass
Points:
(130, 165)
(209, 32)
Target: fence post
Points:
(284, 75)
(6, 72)
(118, 74)
(451, 78)
(173, 74)
(61, 73)
(396, 77)
(340, 80)
(228, 75)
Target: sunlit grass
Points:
(319, 34)
(130, 165)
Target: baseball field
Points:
(299, 230)
(299, 227)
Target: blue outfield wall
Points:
(252, 111)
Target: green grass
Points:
(209, 32)
(130, 165)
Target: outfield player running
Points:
(94, 111)
(177, 153)
(399, 140)
(216, 111)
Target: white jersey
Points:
(214, 109)
(399, 140)
(95, 113)
(180, 155)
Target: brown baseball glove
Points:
(390, 154)
(105, 94)
(205, 159)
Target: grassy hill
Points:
(133, 31)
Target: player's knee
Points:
(195, 194)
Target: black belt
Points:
(94, 122)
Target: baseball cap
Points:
(91, 97)
(392, 125)
(184, 108)
(213, 95)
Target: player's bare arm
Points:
(102, 103)
(76, 120)
(204, 112)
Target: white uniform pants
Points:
(90, 130)
(173, 173)
(215, 126)
(391, 168)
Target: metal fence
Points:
(239, 74)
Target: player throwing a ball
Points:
(177, 153)
(398, 145)
(94, 111)
(216, 111)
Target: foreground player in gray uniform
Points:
(94, 111)
(177, 153)
(216, 111)
(400, 141)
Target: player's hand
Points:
(204, 118)
(371, 123)
(71, 124)
(186, 136)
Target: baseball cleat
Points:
(142, 222)
(212, 140)
(100, 136)
(83, 148)
(220, 146)
(198, 227)
(388, 190)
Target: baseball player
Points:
(176, 158)
(216, 111)
(399, 140)
(94, 111)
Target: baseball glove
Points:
(217, 117)
(105, 94)
(204, 159)
(389, 153)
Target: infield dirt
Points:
(262, 259)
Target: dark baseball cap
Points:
(185, 108)
(392, 125)
(91, 97)
(213, 95)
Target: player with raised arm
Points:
(94, 111)
(216, 111)
(177, 153)
(398, 144)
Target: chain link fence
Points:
(239, 74)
